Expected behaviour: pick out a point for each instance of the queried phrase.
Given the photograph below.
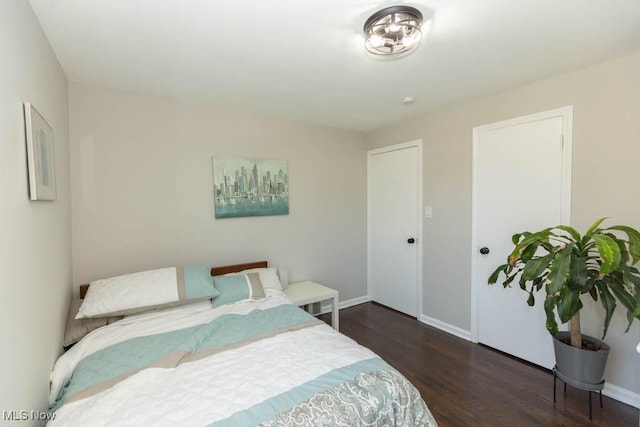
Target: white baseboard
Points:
(353, 301)
(621, 394)
(446, 327)
(610, 390)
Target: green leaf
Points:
(540, 236)
(538, 282)
(572, 231)
(609, 304)
(568, 304)
(560, 238)
(523, 283)
(634, 240)
(627, 300)
(629, 277)
(494, 276)
(578, 274)
(528, 253)
(547, 246)
(593, 228)
(609, 252)
(516, 237)
(537, 266)
(551, 324)
(510, 279)
(630, 318)
(531, 300)
(624, 253)
(559, 272)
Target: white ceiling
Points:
(304, 59)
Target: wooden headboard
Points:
(215, 271)
(225, 269)
(83, 290)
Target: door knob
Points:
(411, 240)
(484, 250)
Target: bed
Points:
(256, 361)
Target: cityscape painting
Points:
(250, 187)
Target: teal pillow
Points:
(198, 283)
(237, 287)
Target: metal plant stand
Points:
(577, 384)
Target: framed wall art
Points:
(250, 187)
(40, 155)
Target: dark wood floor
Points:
(466, 384)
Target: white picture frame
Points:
(40, 155)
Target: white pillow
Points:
(147, 290)
(268, 277)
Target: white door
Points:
(394, 229)
(521, 183)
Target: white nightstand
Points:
(303, 293)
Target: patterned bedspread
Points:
(264, 363)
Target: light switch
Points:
(428, 212)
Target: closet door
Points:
(521, 183)
(394, 230)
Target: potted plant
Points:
(568, 265)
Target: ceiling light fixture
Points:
(393, 31)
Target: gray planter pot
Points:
(584, 367)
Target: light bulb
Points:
(410, 40)
(375, 40)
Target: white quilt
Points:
(208, 390)
(155, 322)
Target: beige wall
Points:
(142, 192)
(606, 151)
(35, 237)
